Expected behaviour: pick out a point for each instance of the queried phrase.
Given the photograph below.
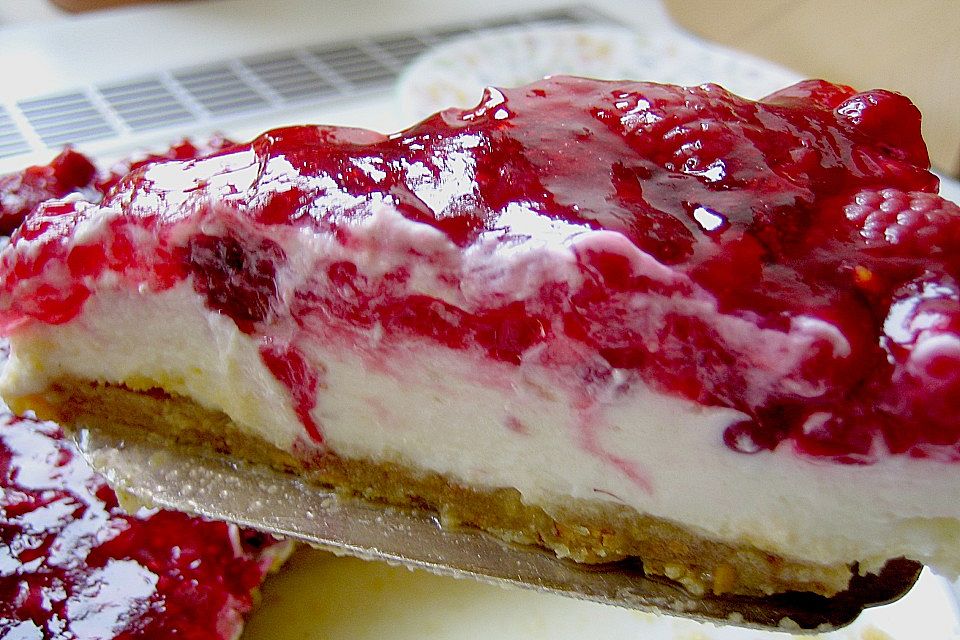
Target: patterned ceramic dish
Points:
(456, 73)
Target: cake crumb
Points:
(724, 579)
(133, 504)
(694, 585)
(789, 624)
(735, 617)
(673, 571)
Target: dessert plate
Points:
(455, 73)
(256, 496)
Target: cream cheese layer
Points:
(491, 424)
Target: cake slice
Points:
(611, 319)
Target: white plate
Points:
(454, 74)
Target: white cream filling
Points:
(145, 339)
(491, 424)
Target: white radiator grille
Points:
(219, 90)
(12, 142)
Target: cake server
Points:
(261, 498)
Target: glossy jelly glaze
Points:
(74, 565)
(21, 192)
(71, 172)
(695, 225)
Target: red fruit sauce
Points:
(812, 205)
(72, 172)
(73, 564)
(21, 192)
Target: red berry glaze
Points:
(21, 192)
(73, 172)
(73, 565)
(787, 258)
(236, 278)
(289, 366)
(185, 149)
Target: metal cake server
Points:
(258, 497)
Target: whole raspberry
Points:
(913, 222)
(888, 121)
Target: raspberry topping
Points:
(184, 150)
(288, 366)
(236, 279)
(787, 258)
(20, 193)
(72, 172)
(913, 223)
(73, 565)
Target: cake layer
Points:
(786, 258)
(491, 426)
(584, 529)
(739, 317)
